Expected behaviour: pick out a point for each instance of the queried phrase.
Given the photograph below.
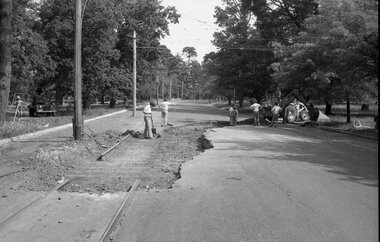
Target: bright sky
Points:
(195, 28)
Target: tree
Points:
(5, 55)
(150, 20)
(337, 52)
(31, 64)
(243, 56)
(189, 52)
(98, 46)
(280, 20)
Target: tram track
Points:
(33, 203)
(110, 226)
(14, 172)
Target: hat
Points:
(18, 97)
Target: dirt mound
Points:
(157, 162)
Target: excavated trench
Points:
(157, 162)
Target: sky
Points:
(195, 28)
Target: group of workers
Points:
(148, 119)
(233, 114)
(255, 107)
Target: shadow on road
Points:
(341, 155)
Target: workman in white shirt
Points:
(256, 108)
(164, 112)
(148, 119)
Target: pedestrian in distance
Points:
(275, 113)
(234, 116)
(19, 107)
(230, 112)
(256, 109)
(164, 112)
(148, 119)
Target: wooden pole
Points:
(78, 119)
(163, 88)
(158, 85)
(134, 73)
(170, 88)
(182, 91)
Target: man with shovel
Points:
(148, 134)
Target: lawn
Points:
(25, 125)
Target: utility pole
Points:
(163, 88)
(234, 96)
(158, 82)
(78, 119)
(182, 91)
(134, 73)
(170, 87)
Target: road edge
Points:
(45, 131)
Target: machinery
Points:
(42, 104)
(295, 108)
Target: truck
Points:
(42, 104)
(294, 109)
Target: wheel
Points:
(31, 112)
(291, 114)
(304, 115)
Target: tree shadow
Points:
(351, 162)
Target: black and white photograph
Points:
(189, 121)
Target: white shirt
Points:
(147, 109)
(165, 106)
(255, 107)
(276, 109)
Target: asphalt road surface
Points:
(265, 184)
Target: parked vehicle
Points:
(42, 104)
(295, 108)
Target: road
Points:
(265, 184)
(257, 184)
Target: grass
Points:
(341, 122)
(25, 125)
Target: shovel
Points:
(154, 131)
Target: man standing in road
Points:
(256, 108)
(164, 112)
(148, 119)
(275, 112)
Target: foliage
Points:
(336, 55)
(189, 52)
(107, 48)
(280, 20)
(243, 56)
(150, 21)
(30, 60)
(5, 55)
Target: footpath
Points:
(60, 216)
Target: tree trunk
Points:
(328, 108)
(348, 110)
(229, 100)
(5, 55)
